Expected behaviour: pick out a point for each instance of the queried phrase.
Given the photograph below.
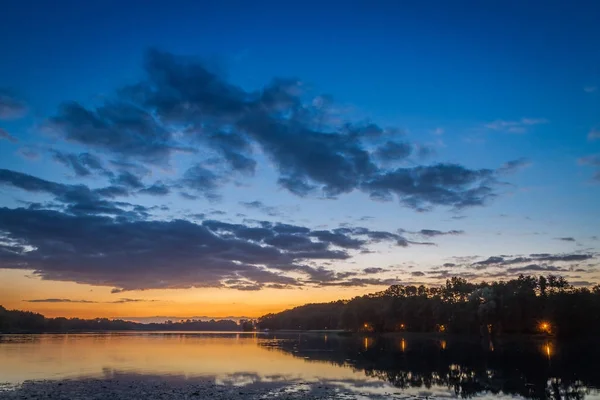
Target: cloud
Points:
(374, 270)
(393, 151)
(532, 259)
(417, 273)
(423, 187)
(83, 164)
(438, 131)
(590, 89)
(566, 239)
(520, 126)
(58, 301)
(75, 199)
(11, 107)
(593, 161)
(7, 136)
(433, 233)
(117, 127)
(514, 166)
(157, 189)
(535, 268)
(594, 134)
(136, 253)
(260, 206)
(123, 300)
(181, 105)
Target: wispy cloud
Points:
(123, 300)
(7, 136)
(566, 239)
(520, 126)
(514, 166)
(592, 161)
(590, 89)
(594, 134)
(11, 107)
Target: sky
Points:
(184, 158)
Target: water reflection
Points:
(410, 364)
(511, 367)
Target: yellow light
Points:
(548, 350)
(443, 344)
(403, 345)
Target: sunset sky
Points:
(232, 158)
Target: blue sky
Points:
(473, 84)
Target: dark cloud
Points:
(489, 261)
(417, 273)
(7, 136)
(202, 180)
(449, 265)
(393, 151)
(374, 270)
(532, 261)
(180, 94)
(58, 301)
(130, 254)
(433, 233)
(260, 206)
(157, 189)
(361, 282)
(82, 164)
(128, 180)
(77, 199)
(566, 239)
(423, 187)
(117, 127)
(11, 107)
(534, 267)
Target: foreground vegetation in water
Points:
(525, 305)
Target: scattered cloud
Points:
(11, 107)
(260, 206)
(593, 161)
(514, 166)
(374, 270)
(137, 253)
(123, 300)
(312, 155)
(594, 134)
(566, 239)
(82, 165)
(429, 233)
(58, 301)
(7, 136)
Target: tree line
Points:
(525, 305)
(15, 321)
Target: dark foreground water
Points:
(406, 365)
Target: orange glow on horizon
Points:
(16, 287)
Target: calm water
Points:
(413, 365)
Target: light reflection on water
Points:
(410, 364)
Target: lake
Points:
(409, 364)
